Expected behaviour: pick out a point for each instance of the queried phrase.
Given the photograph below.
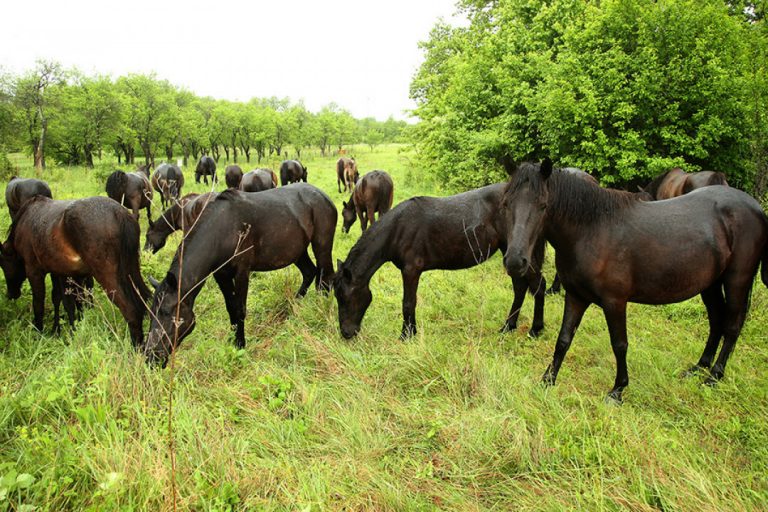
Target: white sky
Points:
(360, 54)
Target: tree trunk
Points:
(169, 152)
(40, 149)
(88, 154)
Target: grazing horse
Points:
(181, 215)
(258, 180)
(19, 190)
(92, 237)
(374, 194)
(612, 248)
(168, 181)
(431, 233)
(346, 173)
(131, 190)
(240, 233)
(232, 176)
(205, 167)
(292, 171)
(676, 182)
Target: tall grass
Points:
(454, 419)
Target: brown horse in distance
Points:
(677, 182)
(168, 180)
(374, 194)
(258, 180)
(346, 173)
(132, 190)
(232, 176)
(82, 238)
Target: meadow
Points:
(453, 419)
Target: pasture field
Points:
(454, 419)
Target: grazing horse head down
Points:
(205, 167)
(258, 180)
(131, 190)
(242, 232)
(676, 182)
(613, 247)
(182, 215)
(168, 180)
(374, 194)
(292, 171)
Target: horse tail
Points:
(116, 184)
(274, 178)
(718, 178)
(764, 266)
(129, 273)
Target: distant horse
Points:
(205, 167)
(373, 194)
(677, 182)
(131, 190)
(181, 215)
(168, 181)
(612, 248)
(258, 180)
(232, 176)
(292, 171)
(87, 237)
(144, 169)
(19, 190)
(240, 233)
(432, 233)
(346, 173)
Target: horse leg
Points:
(410, 287)
(736, 304)
(37, 283)
(363, 219)
(323, 249)
(537, 284)
(149, 213)
(70, 301)
(236, 313)
(573, 312)
(555, 288)
(371, 215)
(308, 272)
(56, 295)
(239, 302)
(715, 304)
(616, 318)
(520, 286)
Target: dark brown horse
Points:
(232, 176)
(19, 190)
(612, 248)
(677, 182)
(237, 234)
(88, 237)
(205, 167)
(181, 215)
(292, 171)
(346, 173)
(258, 180)
(373, 194)
(131, 190)
(168, 181)
(431, 233)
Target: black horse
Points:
(374, 194)
(168, 181)
(432, 233)
(92, 237)
(19, 190)
(292, 171)
(232, 176)
(612, 248)
(676, 182)
(205, 167)
(181, 215)
(237, 234)
(131, 190)
(258, 180)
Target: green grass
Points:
(454, 419)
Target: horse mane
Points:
(653, 187)
(228, 195)
(580, 201)
(22, 210)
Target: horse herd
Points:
(683, 235)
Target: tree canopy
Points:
(621, 88)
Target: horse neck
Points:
(370, 252)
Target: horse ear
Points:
(344, 203)
(546, 168)
(154, 282)
(508, 163)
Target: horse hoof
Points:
(548, 379)
(507, 328)
(614, 398)
(534, 333)
(690, 372)
(712, 380)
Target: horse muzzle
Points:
(349, 332)
(516, 264)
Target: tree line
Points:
(52, 112)
(622, 88)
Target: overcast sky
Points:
(360, 54)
